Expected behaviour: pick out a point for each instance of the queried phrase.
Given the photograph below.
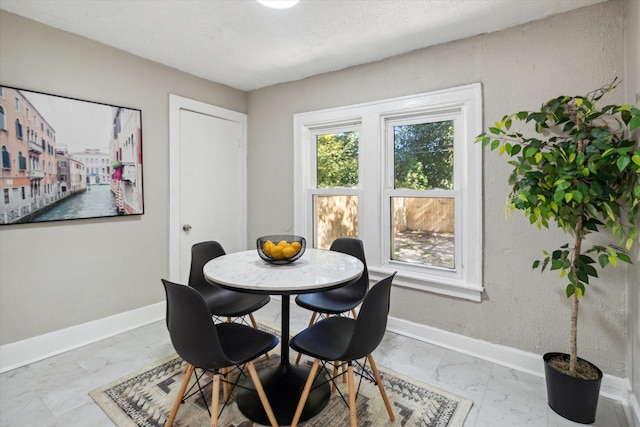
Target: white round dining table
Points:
(315, 271)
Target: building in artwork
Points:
(97, 166)
(28, 176)
(126, 152)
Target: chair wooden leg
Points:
(215, 399)
(183, 388)
(376, 374)
(225, 371)
(255, 326)
(313, 319)
(225, 385)
(305, 393)
(352, 397)
(253, 321)
(262, 395)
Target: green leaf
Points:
(603, 260)
(536, 263)
(582, 276)
(624, 257)
(622, 163)
(635, 123)
(577, 196)
(530, 152)
(590, 270)
(557, 264)
(494, 144)
(507, 123)
(570, 290)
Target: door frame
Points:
(176, 105)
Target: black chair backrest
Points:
(191, 328)
(353, 247)
(201, 253)
(371, 323)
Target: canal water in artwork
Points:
(97, 201)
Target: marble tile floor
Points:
(54, 391)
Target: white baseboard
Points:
(20, 353)
(611, 387)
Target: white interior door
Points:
(208, 180)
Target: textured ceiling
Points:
(247, 46)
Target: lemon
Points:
(296, 246)
(276, 252)
(283, 243)
(266, 248)
(288, 251)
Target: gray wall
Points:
(57, 275)
(519, 69)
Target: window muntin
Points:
(381, 194)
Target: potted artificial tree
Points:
(579, 170)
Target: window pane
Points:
(334, 216)
(423, 156)
(337, 156)
(423, 231)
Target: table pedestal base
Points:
(283, 386)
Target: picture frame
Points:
(64, 158)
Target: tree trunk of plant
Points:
(573, 351)
(573, 343)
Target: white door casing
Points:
(207, 180)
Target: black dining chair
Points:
(348, 340)
(211, 346)
(221, 302)
(344, 299)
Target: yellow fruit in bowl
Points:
(266, 248)
(276, 252)
(283, 243)
(296, 246)
(288, 251)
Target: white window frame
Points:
(375, 187)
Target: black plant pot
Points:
(573, 398)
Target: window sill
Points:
(442, 286)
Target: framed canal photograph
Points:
(65, 158)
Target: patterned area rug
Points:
(145, 398)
